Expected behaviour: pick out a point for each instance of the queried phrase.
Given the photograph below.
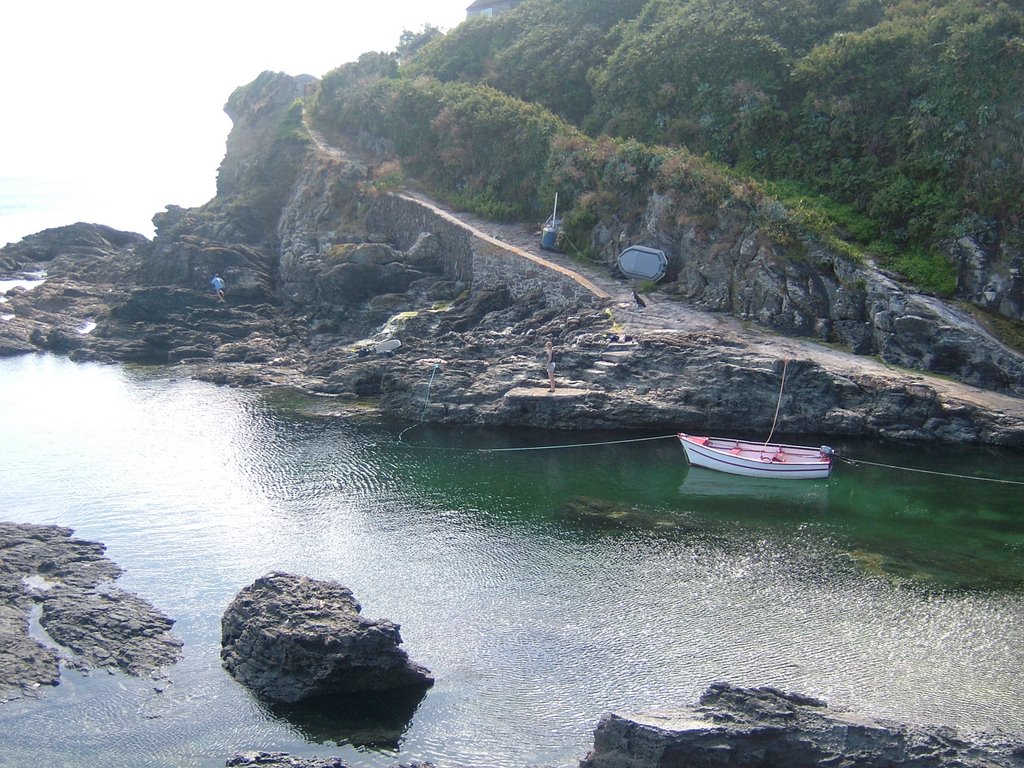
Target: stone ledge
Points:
(542, 392)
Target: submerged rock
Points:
(599, 513)
(765, 727)
(290, 638)
(283, 760)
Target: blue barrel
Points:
(549, 239)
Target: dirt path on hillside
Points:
(667, 317)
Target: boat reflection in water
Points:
(701, 483)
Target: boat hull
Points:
(771, 460)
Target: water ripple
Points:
(541, 590)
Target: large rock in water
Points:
(762, 727)
(291, 638)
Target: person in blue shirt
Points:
(217, 283)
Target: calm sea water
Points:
(541, 587)
(32, 204)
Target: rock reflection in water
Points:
(368, 720)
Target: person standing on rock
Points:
(550, 367)
(217, 283)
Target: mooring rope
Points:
(572, 445)
(778, 405)
(526, 448)
(426, 402)
(855, 462)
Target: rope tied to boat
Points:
(785, 364)
(778, 405)
(574, 445)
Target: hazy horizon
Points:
(115, 109)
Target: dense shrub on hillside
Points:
(393, 113)
(477, 147)
(683, 70)
(716, 75)
(914, 118)
(914, 121)
(556, 48)
(607, 179)
(343, 89)
(465, 53)
(493, 149)
(907, 114)
(543, 52)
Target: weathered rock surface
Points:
(91, 625)
(721, 261)
(289, 638)
(764, 727)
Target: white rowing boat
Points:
(774, 460)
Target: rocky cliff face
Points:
(993, 280)
(722, 260)
(310, 289)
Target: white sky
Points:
(114, 108)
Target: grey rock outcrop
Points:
(290, 638)
(994, 280)
(723, 261)
(764, 727)
(91, 624)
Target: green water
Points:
(542, 587)
(935, 517)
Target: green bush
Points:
(292, 129)
(477, 147)
(931, 270)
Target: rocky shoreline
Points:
(668, 368)
(327, 268)
(59, 608)
(763, 727)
